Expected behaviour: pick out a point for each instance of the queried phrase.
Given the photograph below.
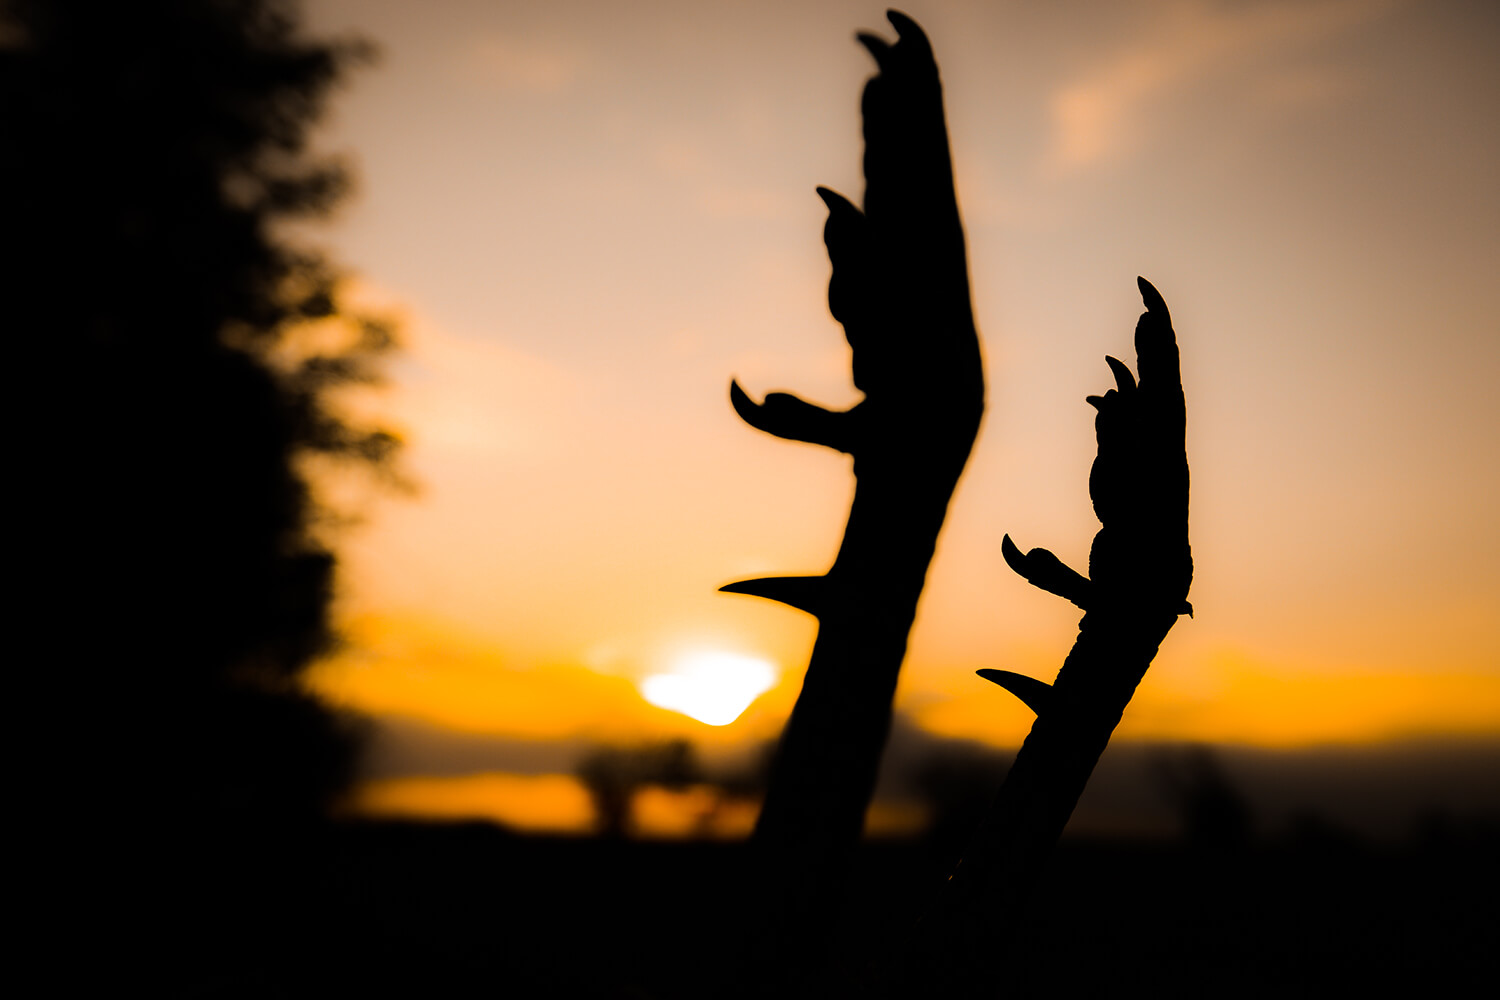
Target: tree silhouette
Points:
(180, 352)
(1214, 813)
(900, 288)
(613, 776)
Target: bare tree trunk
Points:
(900, 288)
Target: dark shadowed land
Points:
(1245, 873)
(448, 910)
(1376, 792)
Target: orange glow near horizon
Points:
(559, 804)
(445, 677)
(546, 803)
(586, 226)
(455, 681)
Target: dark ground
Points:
(386, 909)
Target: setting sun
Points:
(712, 687)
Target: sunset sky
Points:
(587, 217)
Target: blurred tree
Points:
(1213, 812)
(955, 783)
(613, 776)
(177, 356)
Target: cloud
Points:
(1096, 118)
(717, 192)
(444, 699)
(1308, 87)
(443, 675)
(464, 395)
(524, 65)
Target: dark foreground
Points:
(413, 910)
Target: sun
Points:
(712, 687)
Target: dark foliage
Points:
(169, 400)
(152, 150)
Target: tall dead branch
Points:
(1140, 569)
(900, 288)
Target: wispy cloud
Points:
(468, 396)
(719, 190)
(525, 65)
(1096, 118)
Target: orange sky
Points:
(588, 222)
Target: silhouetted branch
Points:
(900, 289)
(1140, 568)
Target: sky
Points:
(587, 217)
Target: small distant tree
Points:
(613, 776)
(1213, 812)
(181, 352)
